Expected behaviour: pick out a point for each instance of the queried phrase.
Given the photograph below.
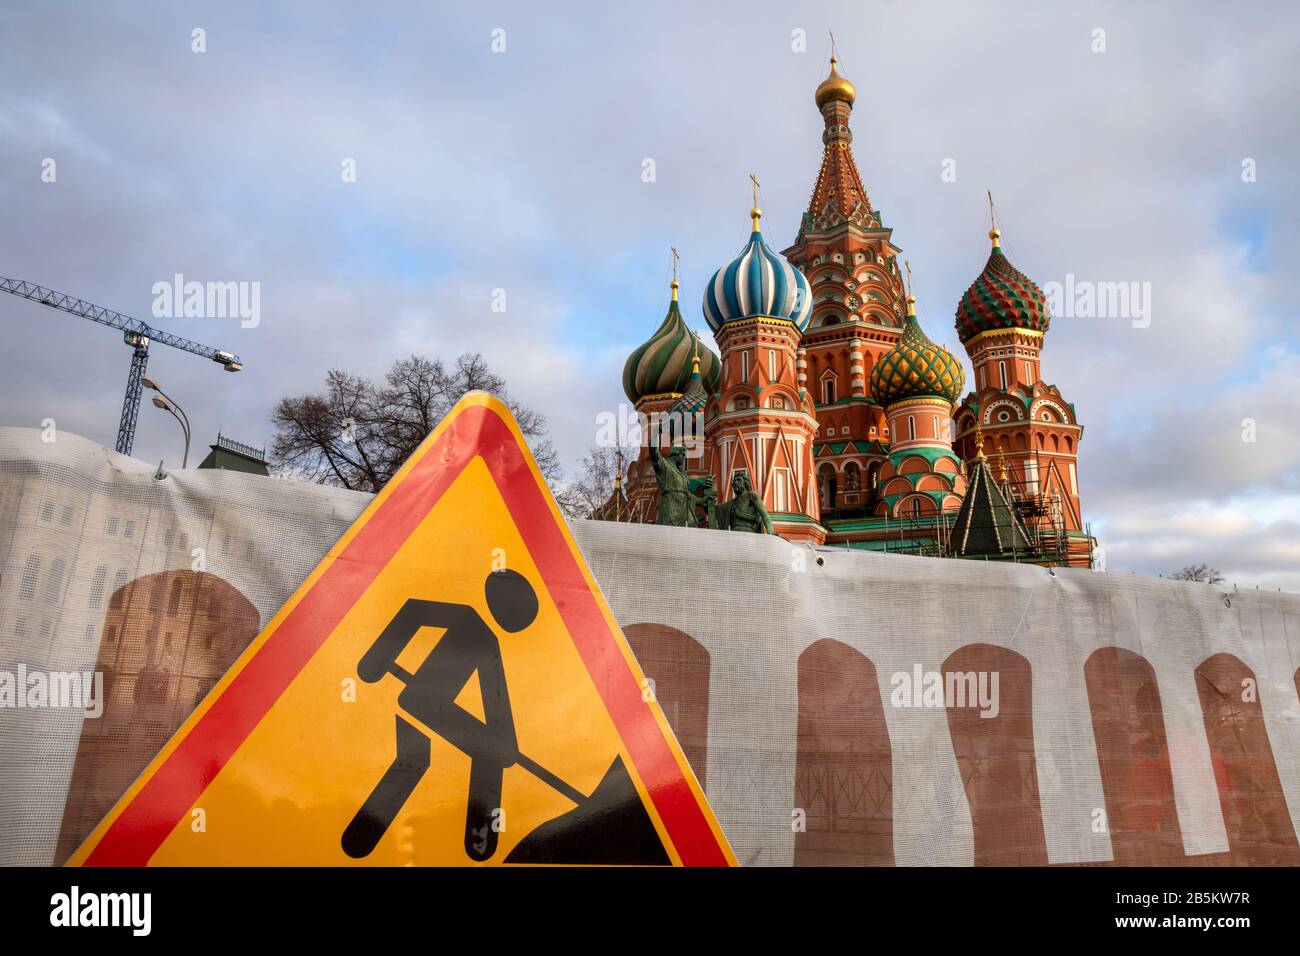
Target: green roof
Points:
(986, 523)
(235, 456)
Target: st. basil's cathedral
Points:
(848, 421)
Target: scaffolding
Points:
(1041, 515)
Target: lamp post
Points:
(168, 404)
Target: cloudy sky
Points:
(1149, 143)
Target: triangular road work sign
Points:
(447, 687)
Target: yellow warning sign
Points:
(447, 687)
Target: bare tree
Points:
(1198, 572)
(593, 489)
(357, 433)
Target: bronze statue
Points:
(676, 500)
(745, 511)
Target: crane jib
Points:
(135, 333)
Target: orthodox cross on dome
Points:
(993, 222)
(673, 249)
(755, 213)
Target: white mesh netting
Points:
(1137, 720)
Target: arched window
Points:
(829, 486)
(174, 598)
(679, 666)
(828, 391)
(744, 366)
(843, 767)
(911, 427)
(54, 582)
(852, 476)
(1002, 374)
(995, 753)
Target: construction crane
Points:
(135, 333)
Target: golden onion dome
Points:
(835, 87)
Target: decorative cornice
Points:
(661, 397)
(922, 400)
(1026, 333)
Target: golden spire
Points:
(1002, 465)
(755, 213)
(835, 87)
(993, 223)
(911, 299)
(979, 441)
(674, 284)
(695, 353)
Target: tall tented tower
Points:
(762, 421)
(1002, 320)
(857, 312)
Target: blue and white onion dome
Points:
(757, 283)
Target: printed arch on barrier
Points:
(996, 758)
(1255, 812)
(843, 761)
(679, 666)
(1133, 754)
(166, 640)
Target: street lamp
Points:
(168, 404)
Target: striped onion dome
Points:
(1001, 297)
(757, 283)
(916, 367)
(662, 366)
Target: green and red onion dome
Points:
(1001, 297)
(663, 365)
(916, 368)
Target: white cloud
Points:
(523, 171)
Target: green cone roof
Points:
(986, 524)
